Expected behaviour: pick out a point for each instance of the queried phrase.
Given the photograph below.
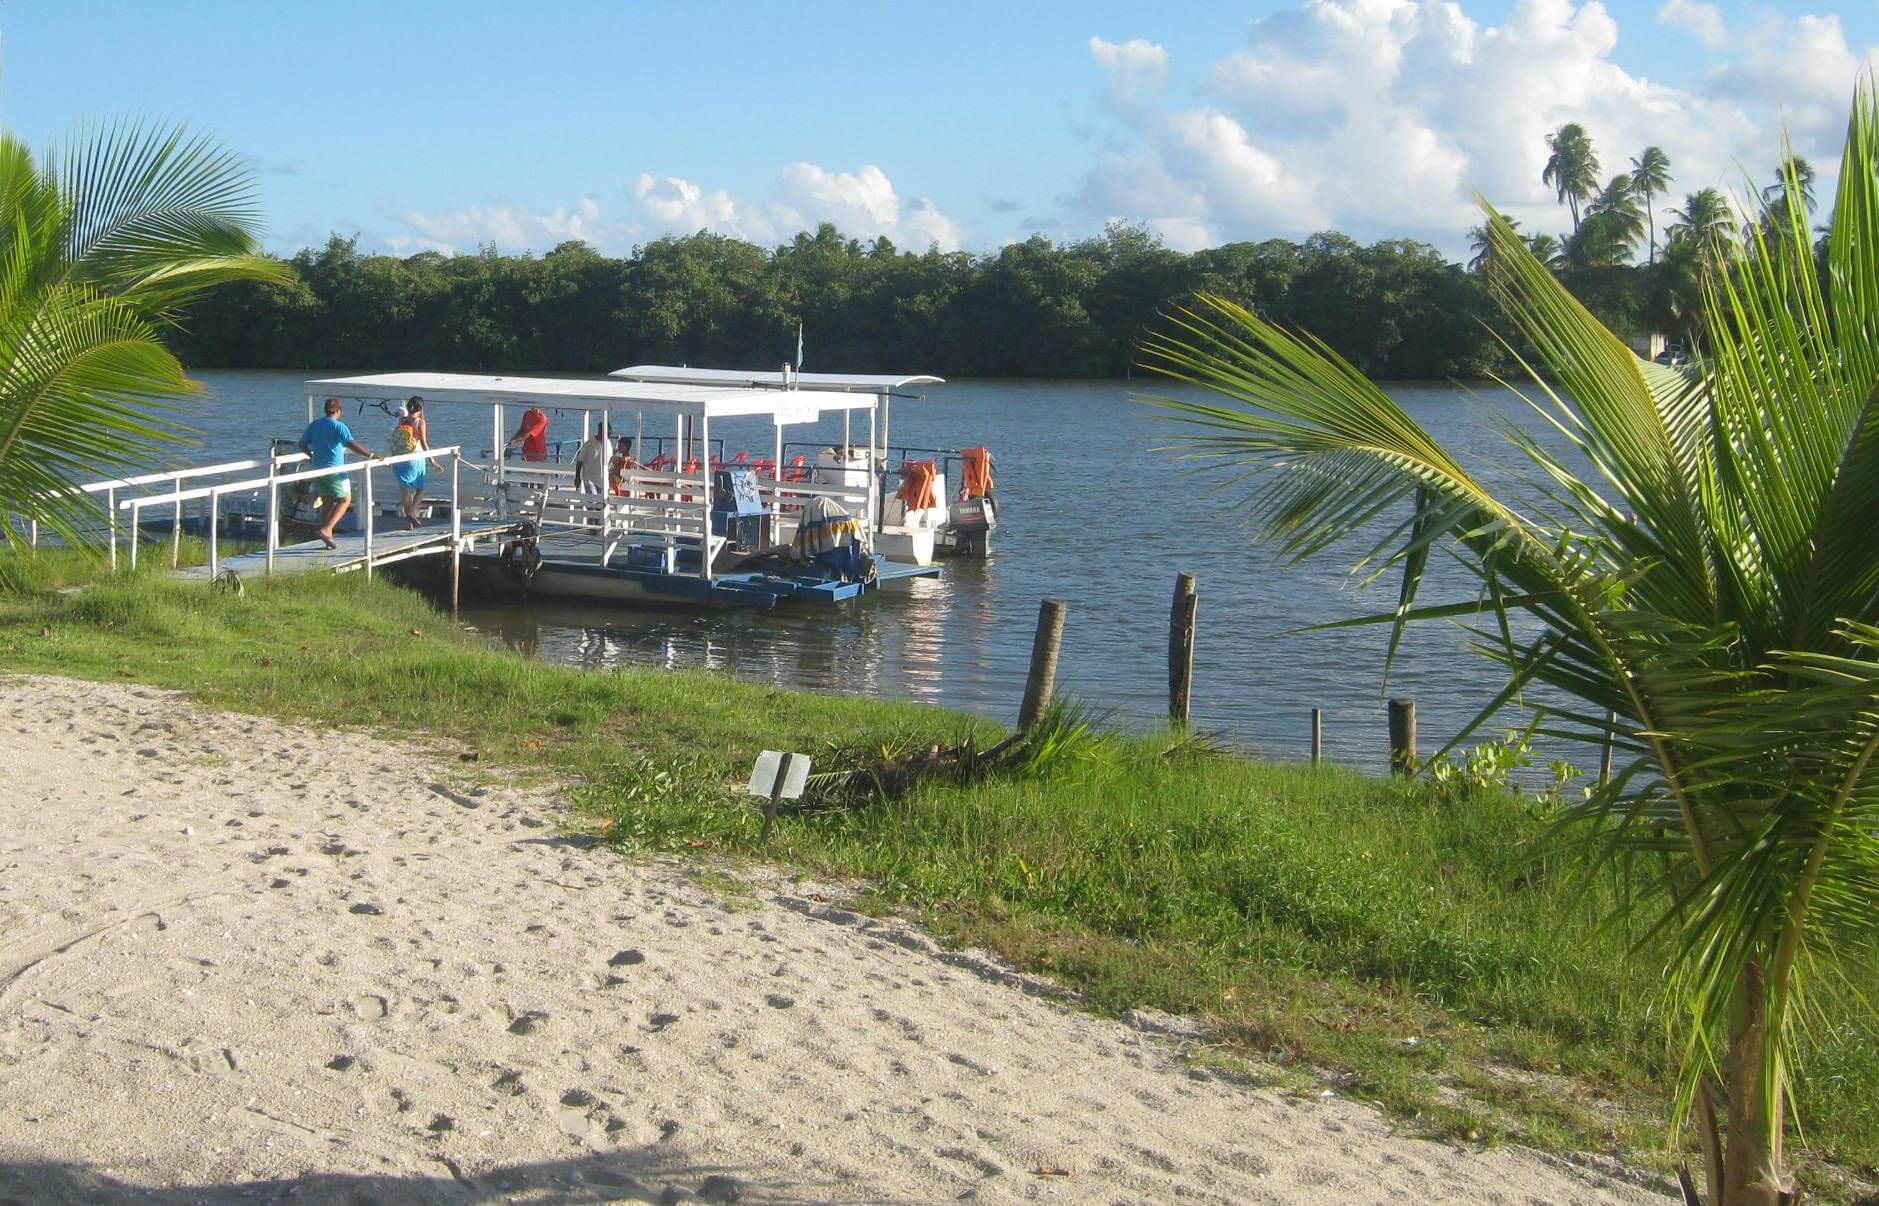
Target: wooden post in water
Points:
(1403, 736)
(1317, 736)
(1042, 680)
(1181, 649)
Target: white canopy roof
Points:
(707, 401)
(860, 383)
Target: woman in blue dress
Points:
(412, 434)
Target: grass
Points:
(1329, 927)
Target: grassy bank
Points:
(1328, 926)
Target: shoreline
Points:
(325, 963)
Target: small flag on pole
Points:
(799, 346)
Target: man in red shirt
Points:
(532, 435)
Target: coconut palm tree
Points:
(1482, 245)
(1613, 224)
(1572, 169)
(1790, 198)
(102, 243)
(1708, 219)
(1650, 175)
(1548, 250)
(1712, 584)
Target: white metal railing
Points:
(110, 486)
(274, 480)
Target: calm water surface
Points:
(1088, 512)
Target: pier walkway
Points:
(386, 547)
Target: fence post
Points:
(176, 526)
(133, 533)
(1042, 681)
(215, 506)
(110, 520)
(1403, 736)
(1605, 754)
(1317, 736)
(367, 474)
(1181, 649)
(456, 534)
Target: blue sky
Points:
(427, 124)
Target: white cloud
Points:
(1694, 17)
(1383, 117)
(862, 203)
(509, 227)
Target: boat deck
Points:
(387, 547)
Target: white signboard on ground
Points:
(792, 770)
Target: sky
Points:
(421, 125)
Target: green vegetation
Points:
(1706, 596)
(101, 244)
(1412, 946)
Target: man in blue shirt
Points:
(325, 442)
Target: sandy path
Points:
(243, 962)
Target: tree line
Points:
(1396, 309)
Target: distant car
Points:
(1674, 356)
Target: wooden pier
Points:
(352, 552)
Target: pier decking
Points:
(387, 547)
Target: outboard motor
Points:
(973, 514)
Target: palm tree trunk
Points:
(1650, 217)
(1751, 1167)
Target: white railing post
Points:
(176, 529)
(368, 520)
(215, 507)
(273, 524)
(456, 532)
(133, 534)
(32, 534)
(110, 517)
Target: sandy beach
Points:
(242, 961)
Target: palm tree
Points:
(1613, 224)
(101, 245)
(1483, 247)
(1708, 219)
(1572, 169)
(1650, 175)
(1790, 199)
(1713, 588)
(1548, 250)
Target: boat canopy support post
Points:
(704, 462)
(871, 520)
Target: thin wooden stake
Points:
(1181, 649)
(1042, 681)
(1403, 759)
(1317, 736)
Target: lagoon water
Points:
(1089, 512)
